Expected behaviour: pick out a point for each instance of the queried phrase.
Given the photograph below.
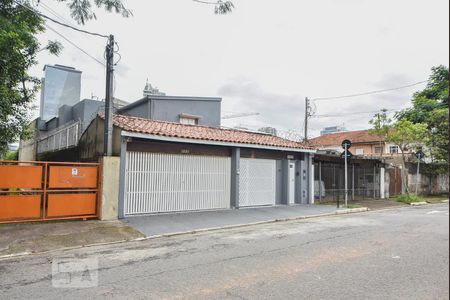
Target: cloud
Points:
(286, 111)
(282, 111)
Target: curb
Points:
(444, 201)
(418, 203)
(351, 210)
(340, 212)
(336, 213)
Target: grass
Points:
(408, 199)
(353, 205)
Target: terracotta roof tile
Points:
(333, 139)
(169, 129)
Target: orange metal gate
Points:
(42, 191)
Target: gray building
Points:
(332, 129)
(178, 109)
(61, 85)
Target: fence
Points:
(42, 191)
(363, 181)
(59, 139)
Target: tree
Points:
(406, 135)
(381, 124)
(19, 27)
(431, 106)
(403, 133)
(18, 48)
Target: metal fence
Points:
(42, 191)
(329, 179)
(59, 139)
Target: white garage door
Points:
(257, 182)
(159, 182)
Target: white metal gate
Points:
(159, 182)
(257, 182)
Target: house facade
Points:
(171, 167)
(363, 144)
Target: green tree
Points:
(18, 47)
(408, 137)
(431, 106)
(381, 124)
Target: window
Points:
(378, 150)
(359, 151)
(188, 121)
(393, 149)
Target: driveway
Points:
(160, 224)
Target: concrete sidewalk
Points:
(164, 224)
(28, 238)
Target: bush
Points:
(11, 155)
(405, 198)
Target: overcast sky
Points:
(266, 56)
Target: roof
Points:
(200, 132)
(335, 139)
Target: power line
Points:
(53, 12)
(353, 113)
(60, 23)
(75, 45)
(368, 93)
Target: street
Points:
(400, 253)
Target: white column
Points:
(382, 187)
(311, 180)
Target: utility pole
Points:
(306, 118)
(107, 142)
(346, 186)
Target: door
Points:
(291, 183)
(395, 182)
(160, 182)
(257, 182)
(301, 183)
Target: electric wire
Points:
(58, 22)
(368, 93)
(352, 113)
(75, 45)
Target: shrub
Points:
(405, 198)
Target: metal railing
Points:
(59, 139)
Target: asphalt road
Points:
(393, 254)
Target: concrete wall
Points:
(91, 142)
(141, 111)
(27, 150)
(438, 184)
(170, 110)
(86, 111)
(110, 188)
(167, 108)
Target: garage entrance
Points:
(162, 182)
(257, 182)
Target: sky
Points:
(265, 57)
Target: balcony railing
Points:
(59, 139)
